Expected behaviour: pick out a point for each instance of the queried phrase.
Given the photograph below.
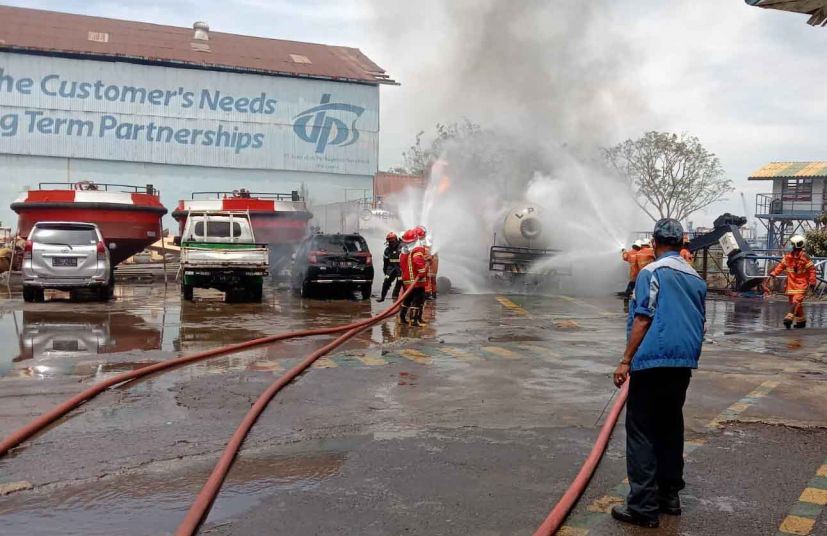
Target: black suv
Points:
(333, 260)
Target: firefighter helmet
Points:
(797, 241)
(391, 237)
(421, 232)
(409, 236)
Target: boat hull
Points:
(127, 228)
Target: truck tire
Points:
(366, 289)
(32, 294)
(257, 292)
(186, 292)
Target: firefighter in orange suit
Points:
(631, 258)
(645, 255)
(414, 264)
(801, 276)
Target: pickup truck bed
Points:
(200, 256)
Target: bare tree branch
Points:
(669, 174)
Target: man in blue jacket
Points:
(665, 331)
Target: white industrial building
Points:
(88, 98)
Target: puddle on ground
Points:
(155, 498)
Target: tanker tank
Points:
(522, 243)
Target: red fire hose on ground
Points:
(41, 422)
(558, 514)
(203, 502)
(206, 496)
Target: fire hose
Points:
(206, 496)
(203, 502)
(40, 423)
(575, 490)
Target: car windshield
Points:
(60, 236)
(339, 244)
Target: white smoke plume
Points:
(550, 82)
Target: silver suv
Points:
(66, 256)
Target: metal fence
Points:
(788, 205)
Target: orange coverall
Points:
(644, 257)
(801, 274)
(630, 256)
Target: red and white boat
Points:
(279, 220)
(128, 216)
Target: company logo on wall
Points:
(315, 126)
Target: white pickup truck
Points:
(218, 250)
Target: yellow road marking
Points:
(566, 324)
(539, 349)
(565, 530)
(325, 362)
(459, 354)
(742, 405)
(814, 496)
(371, 360)
(12, 487)
(502, 352)
(505, 302)
(822, 471)
(266, 366)
(416, 356)
(797, 525)
(604, 504)
(586, 304)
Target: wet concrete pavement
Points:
(473, 425)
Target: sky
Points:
(750, 83)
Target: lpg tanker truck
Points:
(521, 247)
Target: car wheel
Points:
(105, 293)
(305, 289)
(186, 292)
(366, 290)
(30, 294)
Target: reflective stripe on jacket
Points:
(801, 272)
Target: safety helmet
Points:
(421, 232)
(636, 244)
(409, 236)
(797, 241)
(391, 237)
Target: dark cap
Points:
(668, 230)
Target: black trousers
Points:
(390, 278)
(654, 436)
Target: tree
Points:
(466, 134)
(817, 238)
(671, 176)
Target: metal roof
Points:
(817, 9)
(63, 34)
(775, 170)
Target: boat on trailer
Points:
(128, 216)
(278, 219)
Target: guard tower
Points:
(798, 198)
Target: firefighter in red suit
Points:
(433, 262)
(801, 276)
(414, 264)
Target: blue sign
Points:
(321, 131)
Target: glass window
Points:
(797, 190)
(218, 229)
(340, 244)
(63, 235)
